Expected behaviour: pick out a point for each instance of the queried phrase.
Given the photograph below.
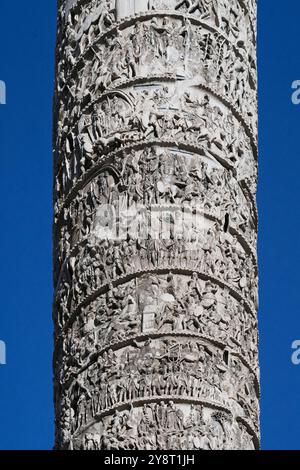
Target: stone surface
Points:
(155, 225)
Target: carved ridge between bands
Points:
(125, 278)
(201, 86)
(156, 335)
(129, 21)
(174, 399)
(244, 243)
(109, 156)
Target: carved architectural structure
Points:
(155, 271)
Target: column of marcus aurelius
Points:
(155, 271)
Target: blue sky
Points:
(27, 36)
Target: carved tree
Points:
(155, 223)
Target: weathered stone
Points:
(155, 224)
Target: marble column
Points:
(155, 225)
